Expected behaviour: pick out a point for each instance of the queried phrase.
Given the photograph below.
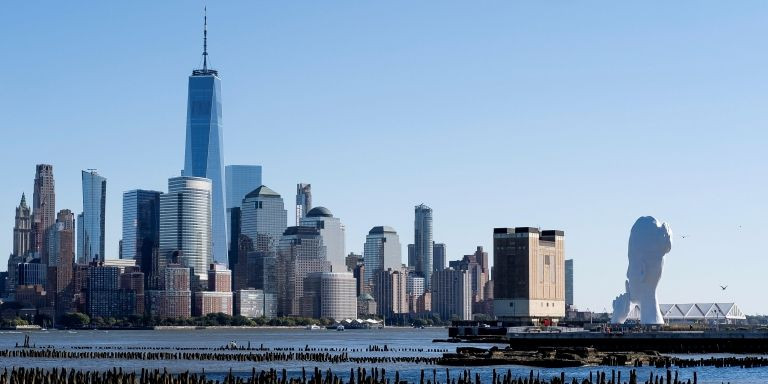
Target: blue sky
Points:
(573, 116)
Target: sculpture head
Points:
(649, 237)
(649, 241)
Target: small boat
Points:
(340, 328)
(313, 327)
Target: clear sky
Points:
(578, 116)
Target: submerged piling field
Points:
(18, 375)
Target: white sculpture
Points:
(649, 241)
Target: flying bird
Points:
(684, 236)
(723, 287)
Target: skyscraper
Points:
(568, 283)
(438, 256)
(263, 219)
(452, 295)
(423, 243)
(91, 239)
(60, 263)
(203, 154)
(141, 229)
(300, 253)
(239, 180)
(185, 223)
(63, 239)
(476, 266)
(411, 257)
(22, 230)
(332, 233)
(303, 200)
(381, 251)
(389, 290)
(43, 209)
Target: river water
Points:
(394, 338)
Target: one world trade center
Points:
(203, 154)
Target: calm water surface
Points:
(394, 338)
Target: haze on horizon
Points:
(580, 117)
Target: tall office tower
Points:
(185, 224)
(438, 256)
(239, 180)
(568, 283)
(22, 229)
(529, 276)
(381, 251)
(332, 232)
(423, 242)
(359, 275)
(389, 292)
(60, 262)
(263, 220)
(80, 224)
(141, 230)
(233, 251)
(303, 201)
(43, 209)
(203, 154)
(90, 241)
(299, 253)
(452, 294)
(411, 257)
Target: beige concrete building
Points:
(529, 275)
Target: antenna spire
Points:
(205, 38)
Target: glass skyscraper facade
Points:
(239, 181)
(141, 228)
(303, 200)
(300, 252)
(203, 153)
(332, 233)
(423, 243)
(263, 218)
(185, 223)
(438, 257)
(90, 238)
(568, 283)
(381, 251)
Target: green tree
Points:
(75, 320)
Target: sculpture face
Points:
(649, 241)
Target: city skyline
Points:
(708, 171)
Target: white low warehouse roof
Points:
(696, 312)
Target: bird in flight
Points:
(684, 236)
(723, 287)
